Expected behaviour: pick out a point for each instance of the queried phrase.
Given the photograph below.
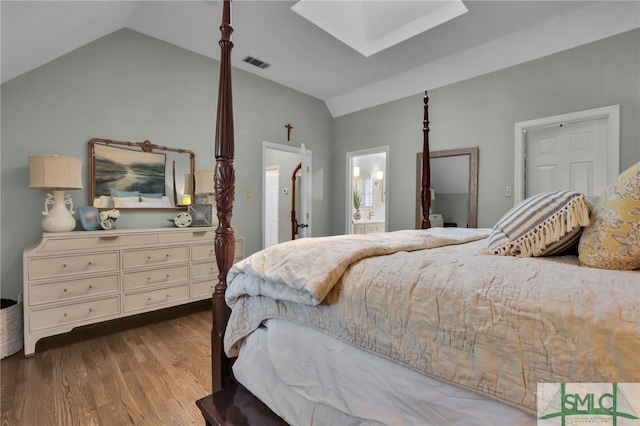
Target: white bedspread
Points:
(494, 325)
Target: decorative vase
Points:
(357, 215)
(108, 224)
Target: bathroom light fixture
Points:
(379, 177)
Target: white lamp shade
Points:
(55, 172)
(204, 182)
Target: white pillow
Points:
(125, 201)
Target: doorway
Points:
(281, 161)
(367, 183)
(578, 151)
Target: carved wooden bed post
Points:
(224, 180)
(425, 195)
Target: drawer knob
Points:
(90, 286)
(168, 275)
(64, 289)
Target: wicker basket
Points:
(11, 337)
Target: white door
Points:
(271, 179)
(567, 156)
(304, 220)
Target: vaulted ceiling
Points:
(491, 35)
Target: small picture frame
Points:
(201, 214)
(89, 218)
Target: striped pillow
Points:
(542, 225)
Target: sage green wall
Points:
(129, 86)
(482, 112)
(133, 87)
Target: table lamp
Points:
(204, 185)
(57, 174)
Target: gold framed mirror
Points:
(454, 185)
(139, 175)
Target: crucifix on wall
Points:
(289, 128)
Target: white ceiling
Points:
(490, 36)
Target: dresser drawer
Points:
(156, 298)
(203, 288)
(151, 277)
(106, 240)
(204, 270)
(76, 313)
(191, 236)
(155, 257)
(57, 266)
(72, 289)
(203, 252)
(208, 251)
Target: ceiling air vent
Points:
(257, 62)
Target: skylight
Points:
(370, 26)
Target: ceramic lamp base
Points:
(58, 218)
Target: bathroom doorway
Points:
(367, 210)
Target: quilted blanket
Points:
(426, 299)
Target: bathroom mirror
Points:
(454, 184)
(139, 175)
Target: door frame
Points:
(285, 148)
(349, 184)
(611, 113)
(264, 203)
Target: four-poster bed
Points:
(406, 327)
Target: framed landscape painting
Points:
(126, 170)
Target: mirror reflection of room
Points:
(450, 190)
(368, 208)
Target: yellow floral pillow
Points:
(612, 240)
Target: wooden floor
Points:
(143, 370)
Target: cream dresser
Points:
(368, 227)
(78, 278)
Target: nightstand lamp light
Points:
(205, 186)
(188, 182)
(57, 174)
